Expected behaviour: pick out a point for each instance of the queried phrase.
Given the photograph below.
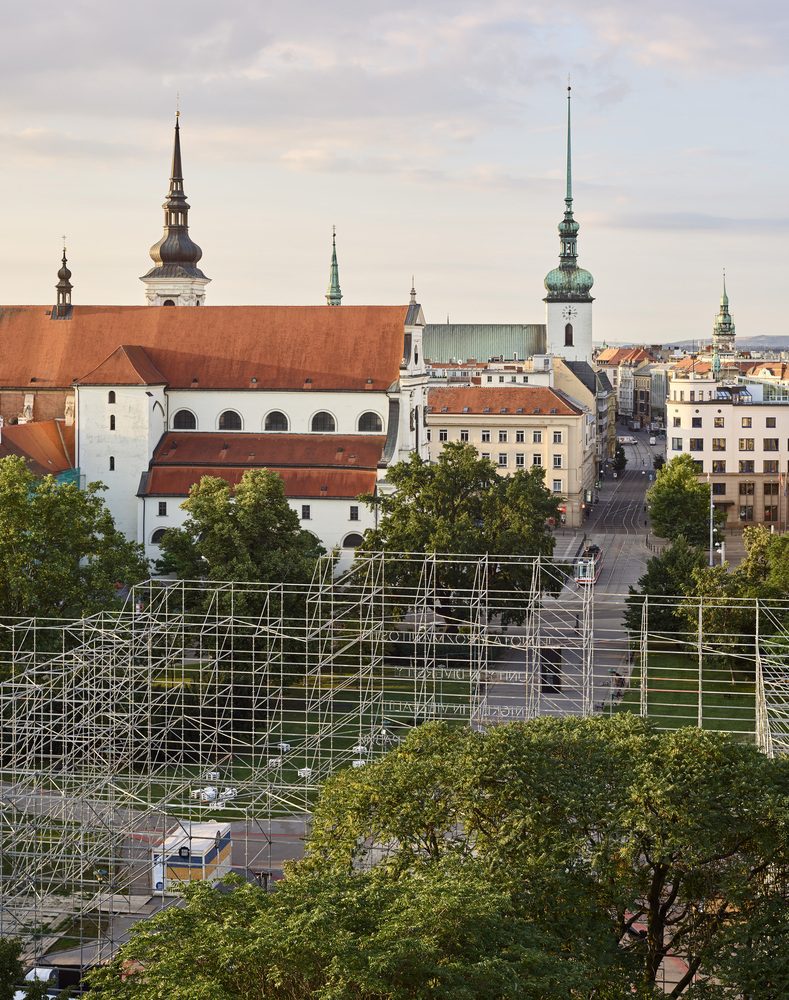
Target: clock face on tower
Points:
(569, 312)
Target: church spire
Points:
(334, 295)
(175, 278)
(723, 331)
(63, 308)
(568, 282)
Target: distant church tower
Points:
(723, 331)
(175, 279)
(568, 304)
(334, 295)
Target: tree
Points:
(60, 554)
(461, 505)
(247, 533)
(620, 458)
(658, 462)
(680, 504)
(668, 578)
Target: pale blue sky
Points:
(431, 135)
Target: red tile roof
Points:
(47, 444)
(255, 451)
(128, 365)
(223, 347)
(511, 397)
(345, 465)
(340, 483)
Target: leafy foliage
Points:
(60, 554)
(247, 533)
(461, 505)
(620, 458)
(668, 576)
(680, 504)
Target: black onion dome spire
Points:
(176, 255)
(63, 308)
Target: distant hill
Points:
(762, 342)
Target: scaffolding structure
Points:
(236, 702)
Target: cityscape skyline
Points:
(432, 139)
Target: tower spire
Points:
(62, 309)
(334, 295)
(175, 278)
(723, 330)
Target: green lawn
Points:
(673, 695)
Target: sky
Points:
(432, 135)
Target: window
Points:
(676, 444)
(770, 465)
(557, 486)
(485, 437)
(157, 536)
(568, 335)
(323, 423)
(305, 512)
(112, 422)
(746, 421)
(718, 421)
(557, 461)
(536, 437)
(502, 437)
(677, 422)
(486, 454)
(520, 461)
(520, 437)
(111, 399)
(502, 460)
(771, 489)
(490, 378)
(719, 444)
(536, 460)
(443, 434)
(693, 396)
(464, 435)
(746, 513)
(230, 421)
(557, 437)
(276, 421)
(696, 444)
(429, 435)
(184, 420)
(770, 422)
(746, 444)
(747, 489)
(354, 513)
(371, 423)
(719, 489)
(771, 444)
(162, 508)
(501, 378)
(718, 466)
(695, 422)
(681, 396)
(746, 466)
(352, 541)
(771, 512)
(112, 463)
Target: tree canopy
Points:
(246, 533)
(680, 505)
(461, 505)
(669, 576)
(60, 553)
(560, 857)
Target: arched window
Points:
(370, 422)
(112, 463)
(184, 420)
(323, 422)
(568, 335)
(111, 396)
(157, 536)
(352, 541)
(112, 422)
(230, 421)
(168, 302)
(276, 421)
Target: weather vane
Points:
(64, 243)
(177, 103)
